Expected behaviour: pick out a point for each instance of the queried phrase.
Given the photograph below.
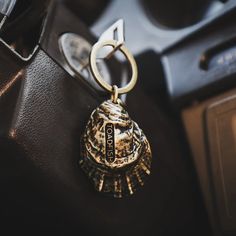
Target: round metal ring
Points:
(128, 56)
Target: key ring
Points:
(98, 77)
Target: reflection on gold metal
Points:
(139, 178)
(129, 185)
(101, 183)
(145, 169)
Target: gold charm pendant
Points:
(115, 153)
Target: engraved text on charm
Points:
(115, 153)
(110, 142)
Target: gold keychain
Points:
(115, 153)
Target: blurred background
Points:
(185, 102)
